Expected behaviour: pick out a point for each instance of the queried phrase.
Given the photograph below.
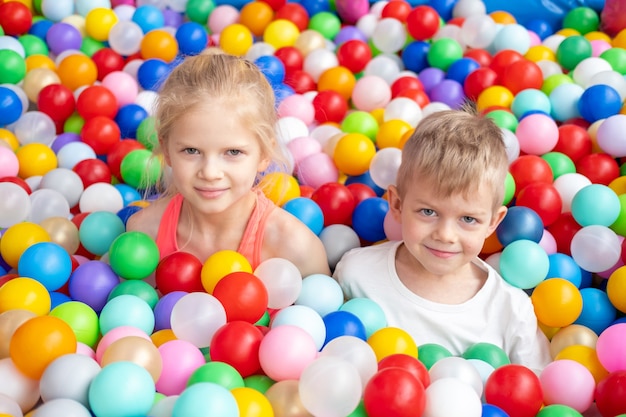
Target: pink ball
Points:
(317, 169)
(116, 334)
(297, 105)
(567, 382)
(221, 17)
(548, 242)
(84, 349)
(285, 351)
(123, 86)
(598, 46)
(180, 360)
(351, 10)
(611, 347)
(9, 166)
(303, 147)
(371, 92)
(534, 38)
(537, 134)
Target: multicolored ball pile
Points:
(84, 329)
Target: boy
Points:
(448, 199)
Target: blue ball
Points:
(343, 323)
(520, 223)
(598, 312)
(443, 7)
(40, 28)
(564, 266)
(126, 212)
(564, 101)
(599, 102)
(128, 118)
(320, 292)
(47, 262)
(10, 106)
(542, 28)
(272, 67)
(282, 91)
(129, 194)
(307, 211)
(192, 38)
(530, 100)
(368, 217)
(490, 410)
(148, 17)
(461, 68)
(58, 298)
(414, 56)
(366, 179)
(152, 73)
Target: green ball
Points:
(504, 119)
(555, 80)
(582, 19)
(264, 320)
(560, 163)
(260, 383)
(617, 58)
(619, 225)
(133, 255)
(558, 410)
(360, 122)
(219, 373)
(326, 23)
(509, 189)
(489, 353)
(73, 124)
(199, 10)
(82, 319)
(147, 134)
(90, 46)
(359, 411)
(138, 288)
(37, 6)
(12, 67)
(33, 45)
(430, 353)
(140, 169)
(443, 52)
(373, 48)
(572, 50)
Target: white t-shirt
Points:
(499, 313)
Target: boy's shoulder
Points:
(368, 255)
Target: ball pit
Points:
(141, 335)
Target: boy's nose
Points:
(445, 231)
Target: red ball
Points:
(92, 171)
(15, 18)
(275, 4)
(521, 75)
(600, 168)
(418, 96)
(563, 230)
(610, 394)
(361, 192)
(179, 271)
(57, 101)
(237, 344)
(291, 57)
(501, 60)
(422, 22)
(295, 13)
(397, 9)
(456, 21)
(96, 100)
(408, 363)
(301, 81)
(574, 141)
(405, 83)
(394, 392)
(515, 389)
(336, 201)
(101, 133)
(478, 80)
(6, 278)
(118, 152)
(306, 191)
(243, 295)
(482, 56)
(354, 54)
(18, 181)
(107, 61)
(528, 169)
(330, 106)
(543, 198)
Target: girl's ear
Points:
(264, 164)
(395, 203)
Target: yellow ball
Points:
(557, 302)
(379, 115)
(10, 139)
(597, 36)
(252, 403)
(39, 61)
(538, 53)
(25, 294)
(161, 336)
(391, 340)
(619, 41)
(280, 33)
(353, 153)
(587, 357)
(616, 288)
(77, 21)
(98, 23)
(496, 95)
(35, 159)
(220, 264)
(567, 32)
(279, 187)
(236, 39)
(390, 133)
(18, 238)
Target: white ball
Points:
(54, 383)
(101, 196)
(65, 181)
(403, 108)
(389, 35)
(384, 67)
(587, 68)
(62, 407)
(371, 92)
(337, 240)
(567, 185)
(467, 8)
(450, 397)
(384, 167)
(318, 61)
(457, 368)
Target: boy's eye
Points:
(468, 219)
(428, 212)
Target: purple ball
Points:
(430, 77)
(449, 92)
(63, 139)
(62, 37)
(163, 309)
(348, 33)
(172, 18)
(91, 283)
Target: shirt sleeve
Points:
(529, 345)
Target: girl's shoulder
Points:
(148, 219)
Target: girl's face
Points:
(214, 158)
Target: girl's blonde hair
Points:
(236, 83)
(457, 150)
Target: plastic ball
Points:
(280, 360)
(606, 205)
(610, 394)
(91, 283)
(530, 100)
(494, 96)
(394, 390)
(543, 198)
(53, 384)
(579, 390)
(77, 70)
(371, 92)
(589, 242)
(515, 389)
(280, 33)
(46, 262)
(443, 52)
(217, 372)
(599, 102)
(608, 346)
(557, 302)
(368, 219)
(133, 255)
(16, 205)
(98, 23)
(521, 75)
(179, 271)
(243, 296)
(524, 264)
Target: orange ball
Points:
(158, 44)
(339, 79)
(39, 61)
(76, 71)
(256, 16)
(557, 302)
(491, 245)
(38, 342)
(502, 17)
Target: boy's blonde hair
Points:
(234, 83)
(456, 150)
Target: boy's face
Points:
(444, 234)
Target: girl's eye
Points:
(191, 151)
(428, 212)
(234, 152)
(468, 219)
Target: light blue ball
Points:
(368, 311)
(513, 36)
(595, 204)
(564, 266)
(564, 101)
(598, 312)
(126, 310)
(308, 211)
(83, 7)
(530, 100)
(129, 194)
(305, 318)
(47, 262)
(321, 293)
(121, 389)
(206, 399)
(98, 230)
(57, 10)
(148, 17)
(74, 152)
(524, 264)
